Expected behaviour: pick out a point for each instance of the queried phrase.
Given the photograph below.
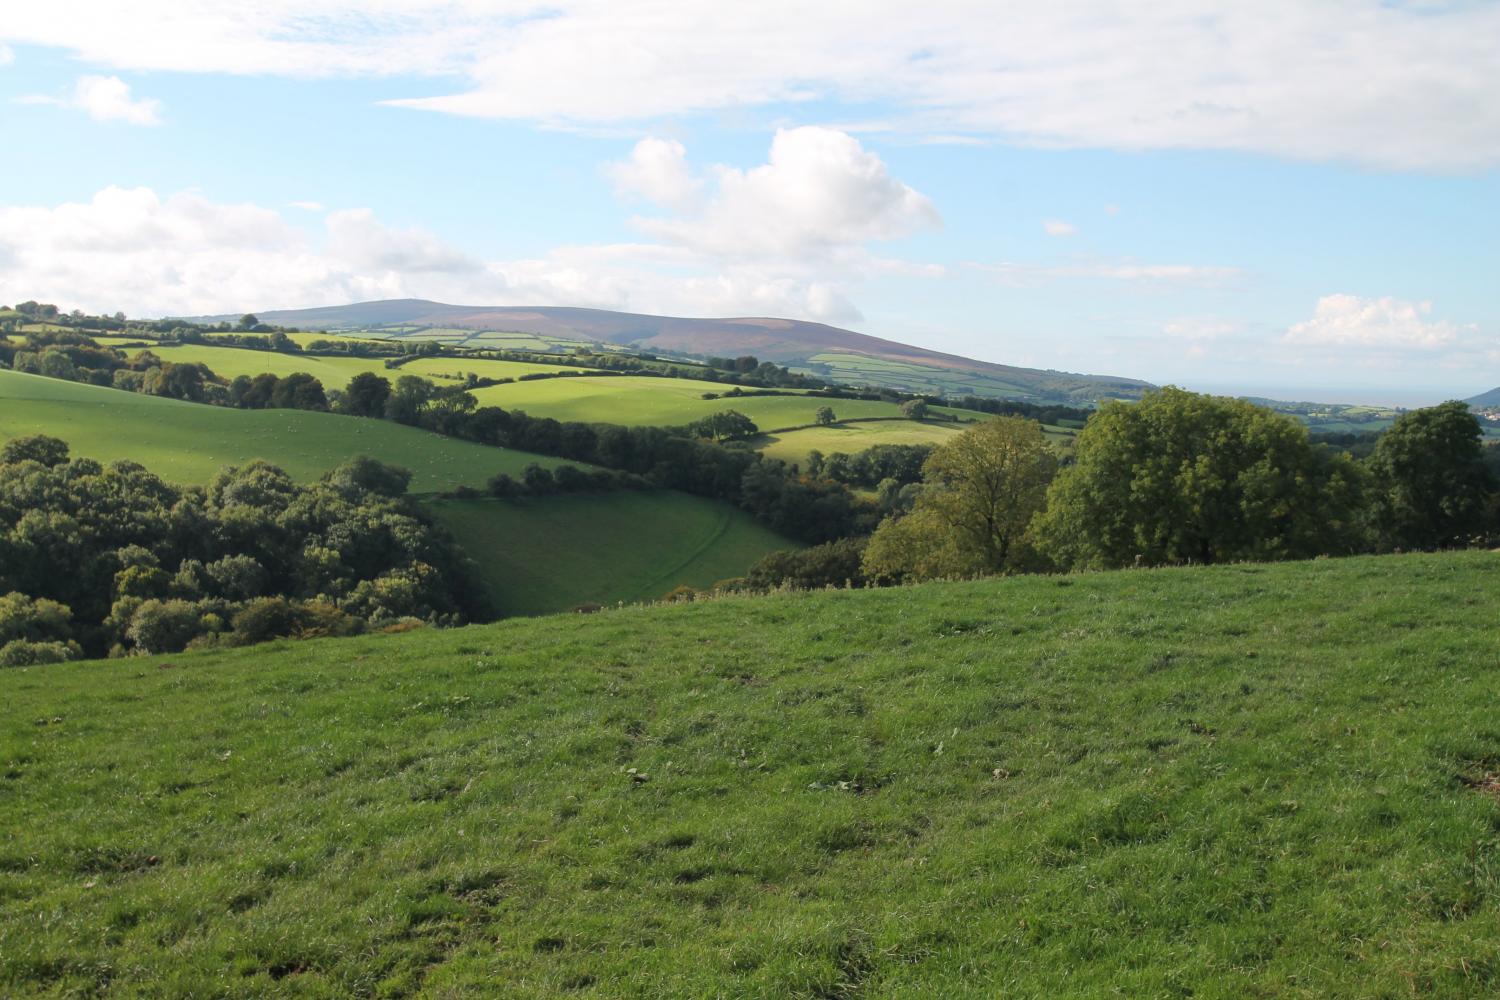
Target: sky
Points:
(1299, 199)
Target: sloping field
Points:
(543, 555)
(1243, 781)
(645, 401)
(482, 367)
(793, 446)
(189, 442)
(230, 362)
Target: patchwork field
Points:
(642, 401)
(189, 442)
(861, 369)
(1243, 781)
(543, 555)
(230, 362)
(482, 367)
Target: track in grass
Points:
(555, 553)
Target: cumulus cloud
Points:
(104, 98)
(1393, 85)
(1385, 323)
(657, 170)
(184, 254)
(1057, 227)
(820, 191)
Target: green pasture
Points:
(230, 362)
(539, 555)
(1224, 782)
(189, 442)
(638, 400)
(447, 368)
(793, 447)
(861, 369)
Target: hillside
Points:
(188, 442)
(816, 347)
(1485, 399)
(1272, 780)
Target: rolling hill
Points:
(1111, 784)
(1485, 400)
(816, 347)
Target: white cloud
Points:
(1384, 323)
(1057, 227)
(6, 55)
(1394, 85)
(104, 98)
(1199, 328)
(819, 193)
(306, 206)
(657, 170)
(183, 254)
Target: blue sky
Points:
(1299, 199)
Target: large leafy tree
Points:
(981, 490)
(1180, 477)
(1430, 481)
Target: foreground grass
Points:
(554, 553)
(1246, 781)
(190, 442)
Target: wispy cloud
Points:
(103, 98)
(1405, 86)
(1018, 274)
(1057, 227)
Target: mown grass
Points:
(1244, 781)
(190, 442)
(794, 446)
(541, 555)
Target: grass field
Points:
(230, 362)
(189, 442)
(794, 446)
(1243, 781)
(482, 367)
(860, 369)
(540, 556)
(662, 402)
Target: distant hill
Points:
(836, 353)
(1485, 399)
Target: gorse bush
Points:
(96, 559)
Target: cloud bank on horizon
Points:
(824, 226)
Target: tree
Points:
(1180, 477)
(981, 490)
(299, 391)
(366, 395)
(916, 409)
(1430, 482)
(407, 400)
(49, 451)
(824, 416)
(723, 425)
(249, 322)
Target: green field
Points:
(793, 446)
(644, 401)
(1242, 781)
(482, 367)
(189, 442)
(544, 555)
(229, 362)
(861, 369)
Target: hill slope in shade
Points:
(559, 552)
(1241, 781)
(1485, 399)
(797, 343)
(189, 442)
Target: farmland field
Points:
(793, 446)
(189, 442)
(860, 369)
(1112, 784)
(482, 367)
(543, 555)
(230, 362)
(644, 401)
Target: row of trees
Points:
(1185, 478)
(111, 559)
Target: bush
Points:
(20, 653)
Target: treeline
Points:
(1177, 478)
(98, 560)
(806, 508)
